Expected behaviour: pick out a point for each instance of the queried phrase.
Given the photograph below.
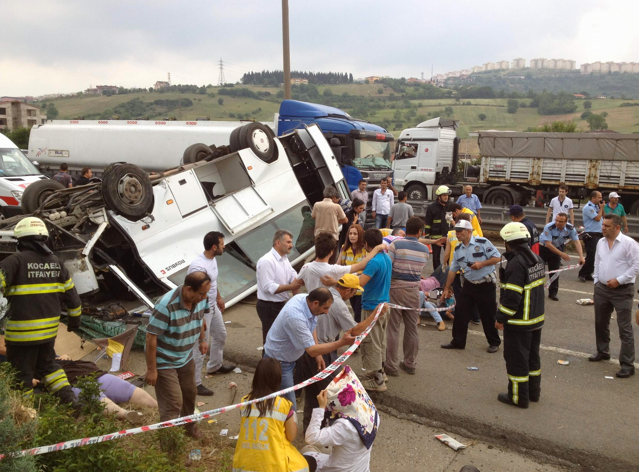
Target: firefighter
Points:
(521, 316)
(35, 282)
(436, 225)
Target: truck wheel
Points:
(234, 142)
(259, 138)
(195, 153)
(416, 192)
(36, 194)
(499, 196)
(127, 190)
(634, 208)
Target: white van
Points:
(426, 157)
(16, 173)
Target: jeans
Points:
(287, 381)
(381, 221)
(424, 304)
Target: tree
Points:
(556, 127)
(513, 105)
(585, 114)
(448, 111)
(52, 112)
(380, 90)
(587, 104)
(597, 122)
(604, 114)
(327, 92)
(482, 117)
(220, 101)
(398, 115)
(150, 89)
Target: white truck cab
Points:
(16, 173)
(426, 156)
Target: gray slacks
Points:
(620, 300)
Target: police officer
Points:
(552, 243)
(478, 256)
(35, 282)
(521, 316)
(435, 224)
(593, 213)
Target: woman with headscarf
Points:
(351, 421)
(268, 427)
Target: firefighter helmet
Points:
(442, 190)
(515, 232)
(30, 226)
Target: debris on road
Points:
(261, 348)
(226, 322)
(450, 442)
(195, 455)
(234, 437)
(201, 403)
(609, 377)
(237, 370)
(560, 362)
(212, 421)
(585, 301)
(126, 375)
(472, 368)
(224, 432)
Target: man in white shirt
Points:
(215, 332)
(383, 200)
(325, 246)
(560, 204)
(275, 279)
(616, 268)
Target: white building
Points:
(519, 63)
(505, 65)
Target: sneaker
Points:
(409, 370)
(392, 373)
(582, 279)
(385, 377)
(372, 386)
(441, 326)
(204, 392)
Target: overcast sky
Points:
(51, 46)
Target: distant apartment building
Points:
(477, 69)
(296, 81)
(605, 67)
(161, 84)
(490, 66)
(519, 63)
(537, 63)
(16, 114)
(504, 65)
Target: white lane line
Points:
(585, 293)
(558, 350)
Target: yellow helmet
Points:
(442, 190)
(514, 231)
(30, 226)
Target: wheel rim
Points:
(501, 200)
(260, 141)
(415, 195)
(130, 189)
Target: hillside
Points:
(361, 100)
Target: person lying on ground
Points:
(350, 422)
(113, 389)
(268, 427)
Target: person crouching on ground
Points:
(352, 424)
(268, 427)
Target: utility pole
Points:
(221, 80)
(169, 77)
(287, 51)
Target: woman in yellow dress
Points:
(267, 427)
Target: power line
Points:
(220, 80)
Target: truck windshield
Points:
(13, 163)
(372, 155)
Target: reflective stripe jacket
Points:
(435, 224)
(521, 299)
(35, 285)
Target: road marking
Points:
(585, 293)
(558, 350)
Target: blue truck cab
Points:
(362, 148)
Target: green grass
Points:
(624, 120)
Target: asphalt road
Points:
(583, 417)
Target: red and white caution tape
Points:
(399, 307)
(199, 416)
(556, 273)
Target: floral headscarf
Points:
(348, 399)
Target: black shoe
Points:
(203, 391)
(475, 322)
(225, 369)
(450, 346)
(589, 278)
(599, 357)
(554, 297)
(626, 371)
(492, 349)
(534, 399)
(504, 398)
(582, 278)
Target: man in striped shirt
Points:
(174, 326)
(409, 257)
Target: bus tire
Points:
(196, 153)
(259, 139)
(127, 190)
(36, 194)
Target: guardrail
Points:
(494, 217)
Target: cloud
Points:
(65, 46)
